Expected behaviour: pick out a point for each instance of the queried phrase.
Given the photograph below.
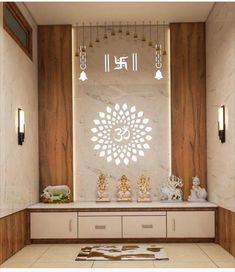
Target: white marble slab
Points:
(220, 81)
(18, 89)
(138, 89)
(155, 204)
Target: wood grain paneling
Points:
(14, 234)
(226, 230)
(188, 103)
(55, 105)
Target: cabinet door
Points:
(100, 227)
(191, 224)
(49, 225)
(144, 226)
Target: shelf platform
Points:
(122, 206)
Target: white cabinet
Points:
(52, 225)
(123, 224)
(191, 224)
(144, 226)
(100, 227)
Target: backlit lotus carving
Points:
(121, 134)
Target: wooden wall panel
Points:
(188, 102)
(14, 234)
(226, 230)
(55, 105)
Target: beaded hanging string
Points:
(90, 43)
(97, 33)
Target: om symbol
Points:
(122, 133)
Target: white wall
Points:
(18, 89)
(220, 53)
(121, 87)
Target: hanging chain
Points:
(158, 57)
(82, 57)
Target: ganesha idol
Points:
(124, 189)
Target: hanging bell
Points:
(83, 76)
(158, 75)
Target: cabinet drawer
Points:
(53, 225)
(195, 224)
(144, 226)
(99, 227)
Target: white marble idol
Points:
(197, 193)
(56, 194)
(171, 190)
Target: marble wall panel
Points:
(220, 52)
(18, 81)
(138, 89)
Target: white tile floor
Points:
(180, 255)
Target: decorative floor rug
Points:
(122, 253)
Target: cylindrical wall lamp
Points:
(21, 126)
(221, 124)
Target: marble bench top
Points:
(122, 205)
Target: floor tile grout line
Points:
(93, 263)
(40, 256)
(208, 256)
(45, 253)
(31, 263)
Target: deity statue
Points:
(102, 194)
(124, 189)
(144, 189)
(171, 190)
(197, 193)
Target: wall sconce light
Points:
(21, 126)
(221, 124)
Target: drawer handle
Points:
(173, 224)
(100, 227)
(70, 225)
(147, 226)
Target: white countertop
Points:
(95, 205)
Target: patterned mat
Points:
(120, 253)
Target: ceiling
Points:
(77, 12)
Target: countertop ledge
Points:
(122, 205)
